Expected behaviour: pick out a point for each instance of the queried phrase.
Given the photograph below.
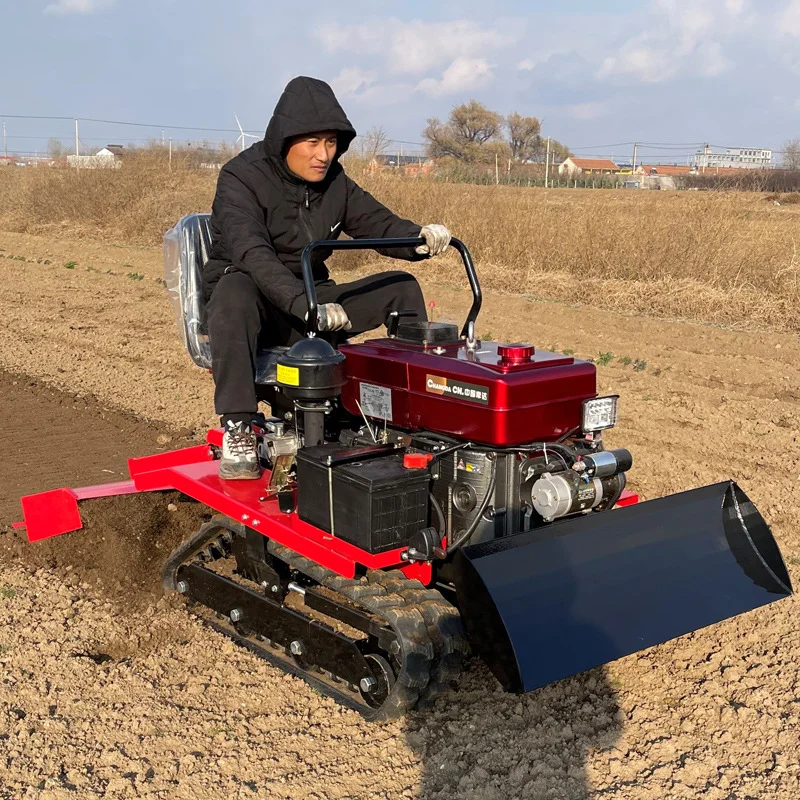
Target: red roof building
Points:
(664, 169)
(590, 166)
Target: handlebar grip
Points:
(382, 244)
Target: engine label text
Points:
(376, 401)
(470, 392)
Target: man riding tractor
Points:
(271, 201)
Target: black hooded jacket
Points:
(264, 215)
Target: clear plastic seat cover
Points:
(186, 249)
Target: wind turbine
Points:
(242, 137)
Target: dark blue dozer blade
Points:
(550, 603)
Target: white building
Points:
(587, 166)
(107, 158)
(736, 157)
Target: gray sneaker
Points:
(239, 453)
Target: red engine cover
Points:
(476, 395)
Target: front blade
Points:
(550, 603)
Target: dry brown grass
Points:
(728, 258)
(134, 204)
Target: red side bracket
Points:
(51, 513)
(55, 512)
(627, 499)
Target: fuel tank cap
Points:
(515, 353)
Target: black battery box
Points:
(372, 502)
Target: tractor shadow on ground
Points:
(481, 742)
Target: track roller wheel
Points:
(382, 673)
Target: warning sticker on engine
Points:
(290, 376)
(469, 463)
(376, 401)
(449, 387)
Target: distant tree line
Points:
(746, 180)
(474, 134)
(791, 154)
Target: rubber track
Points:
(408, 623)
(417, 650)
(202, 539)
(441, 620)
(433, 644)
(445, 630)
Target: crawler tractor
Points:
(427, 494)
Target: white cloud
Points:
(584, 111)
(363, 39)
(352, 81)
(77, 6)
(681, 38)
(647, 63)
(736, 7)
(542, 56)
(411, 47)
(712, 60)
(462, 75)
(407, 56)
(789, 20)
(420, 46)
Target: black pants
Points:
(241, 321)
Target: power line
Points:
(120, 122)
(663, 147)
(95, 138)
(673, 144)
(604, 146)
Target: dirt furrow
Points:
(109, 690)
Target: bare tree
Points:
(791, 154)
(523, 134)
(558, 151)
(469, 128)
(374, 143)
(55, 149)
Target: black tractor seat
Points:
(186, 249)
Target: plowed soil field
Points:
(110, 689)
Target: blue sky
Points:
(666, 71)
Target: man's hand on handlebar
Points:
(436, 237)
(332, 317)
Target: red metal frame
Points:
(172, 458)
(193, 471)
(247, 502)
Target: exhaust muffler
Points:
(546, 604)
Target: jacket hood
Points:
(307, 105)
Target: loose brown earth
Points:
(110, 689)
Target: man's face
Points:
(311, 155)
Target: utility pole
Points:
(547, 163)
(635, 148)
(77, 148)
(496, 170)
(5, 141)
(170, 154)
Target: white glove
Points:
(332, 317)
(436, 237)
